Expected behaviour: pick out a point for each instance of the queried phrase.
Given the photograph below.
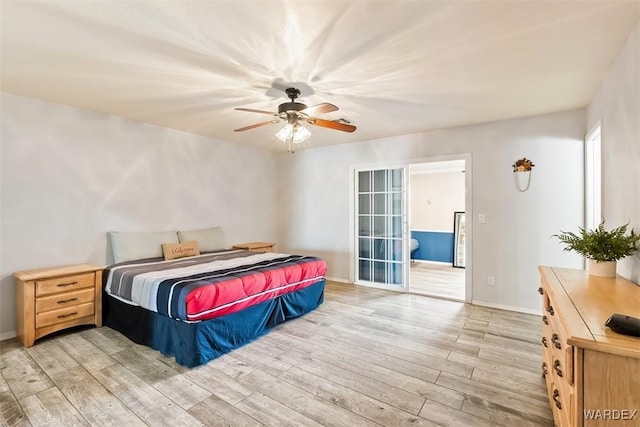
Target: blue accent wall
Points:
(434, 246)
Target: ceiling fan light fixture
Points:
(294, 133)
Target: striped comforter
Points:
(212, 285)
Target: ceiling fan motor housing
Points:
(292, 93)
(291, 106)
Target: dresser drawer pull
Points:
(556, 341)
(540, 291)
(556, 395)
(64, 301)
(67, 284)
(62, 316)
(550, 310)
(557, 367)
(545, 342)
(545, 320)
(544, 368)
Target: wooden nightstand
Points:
(51, 299)
(255, 246)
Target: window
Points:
(593, 178)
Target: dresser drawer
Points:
(562, 353)
(64, 314)
(65, 299)
(561, 401)
(64, 284)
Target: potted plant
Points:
(602, 248)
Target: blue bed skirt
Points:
(195, 344)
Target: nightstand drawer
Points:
(64, 284)
(64, 314)
(66, 299)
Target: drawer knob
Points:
(550, 310)
(556, 395)
(540, 291)
(557, 367)
(544, 368)
(556, 341)
(62, 316)
(67, 284)
(544, 342)
(64, 301)
(545, 320)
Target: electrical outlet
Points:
(482, 219)
(491, 280)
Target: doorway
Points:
(438, 232)
(382, 248)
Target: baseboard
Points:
(507, 307)
(338, 279)
(424, 261)
(7, 335)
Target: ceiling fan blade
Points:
(251, 110)
(257, 125)
(331, 124)
(325, 107)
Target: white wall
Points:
(314, 195)
(445, 191)
(69, 175)
(617, 105)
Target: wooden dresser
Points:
(592, 373)
(52, 299)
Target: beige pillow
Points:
(132, 245)
(209, 239)
(180, 250)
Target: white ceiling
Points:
(393, 67)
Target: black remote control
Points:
(623, 324)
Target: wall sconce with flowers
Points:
(520, 168)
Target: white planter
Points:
(602, 269)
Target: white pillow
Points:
(209, 239)
(130, 245)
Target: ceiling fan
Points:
(294, 114)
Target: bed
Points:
(200, 307)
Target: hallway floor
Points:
(437, 280)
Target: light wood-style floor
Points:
(366, 357)
(437, 280)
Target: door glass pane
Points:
(364, 225)
(379, 203)
(365, 248)
(396, 273)
(379, 249)
(379, 180)
(364, 203)
(396, 180)
(396, 208)
(364, 269)
(396, 226)
(364, 182)
(379, 226)
(379, 272)
(396, 253)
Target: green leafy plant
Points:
(599, 244)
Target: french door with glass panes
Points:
(381, 227)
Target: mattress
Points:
(211, 285)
